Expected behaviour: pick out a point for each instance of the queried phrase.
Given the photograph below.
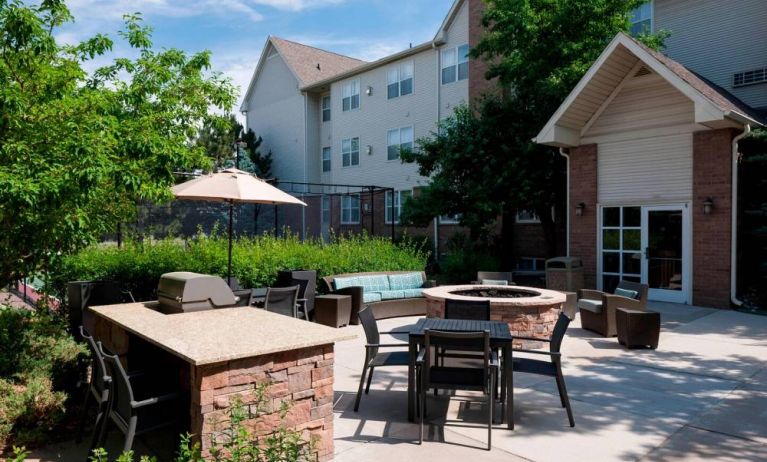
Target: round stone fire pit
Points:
(529, 311)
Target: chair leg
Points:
(491, 405)
(83, 414)
(370, 379)
(131, 434)
(422, 413)
(362, 386)
(99, 428)
(561, 393)
(565, 398)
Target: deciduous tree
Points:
(79, 149)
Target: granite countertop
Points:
(214, 336)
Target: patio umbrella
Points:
(232, 186)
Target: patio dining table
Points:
(500, 338)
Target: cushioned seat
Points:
(405, 281)
(595, 306)
(371, 297)
(391, 294)
(495, 282)
(412, 293)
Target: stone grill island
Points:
(529, 311)
(223, 354)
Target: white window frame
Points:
(349, 90)
(348, 203)
(325, 109)
(349, 153)
(454, 219)
(395, 207)
(394, 138)
(397, 75)
(651, 7)
(325, 207)
(534, 218)
(329, 158)
(457, 59)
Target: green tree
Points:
(78, 150)
(483, 162)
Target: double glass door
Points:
(648, 244)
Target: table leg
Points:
(509, 374)
(411, 391)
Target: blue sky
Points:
(235, 30)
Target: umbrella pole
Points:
(229, 270)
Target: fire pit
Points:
(529, 311)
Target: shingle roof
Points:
(312, 64)
(716, 94)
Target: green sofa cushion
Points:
(595, 306)
(412, 293)
(405, 281)
(391, 294)
(495, 282)
(632, 294)
(371, 297)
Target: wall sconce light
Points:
(708, 204)
(369, 150)
(369, 91)
(366, 207)
(579, 209)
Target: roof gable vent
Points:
(642, 72)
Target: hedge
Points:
(255, 261)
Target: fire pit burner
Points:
(495, 293)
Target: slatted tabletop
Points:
(499, 330)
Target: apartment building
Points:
(335, 120)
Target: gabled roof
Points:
(308, 64)
(623, 57)
(313, 64)
(439, 38)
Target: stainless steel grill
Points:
(185, 292)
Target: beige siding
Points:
(326, 140)
(647, 170)
(716, 39)
(314, 129)
(645, 102)
(378, 114)
(456, 93)
(276, 113)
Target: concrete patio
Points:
(701, 395)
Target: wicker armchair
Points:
(597, 308)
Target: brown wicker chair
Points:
(597, 308)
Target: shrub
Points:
(464, 258)
(38, 361)
(235, 443)
(255, 261)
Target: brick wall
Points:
(583, 188)
(303, 378)
(478, 85)
(712, 234)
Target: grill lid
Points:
(188, 287)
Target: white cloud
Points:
(297, 5)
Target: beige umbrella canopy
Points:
(232, 186)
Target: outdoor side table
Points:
(637, 328)
(333, 310)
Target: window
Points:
(351, 95)
(749, 77)
(350, 209)
(325, 108)
(397, 140)
(394, 202)
(621, 244)
(400, 80)
(326, 159)
(325, 209)
(527, 216)
(641, 19)
(530, 264)
(453, 219)
(455, 64)
(350, 151)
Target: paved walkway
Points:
(702, 395)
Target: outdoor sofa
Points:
(389, 294)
